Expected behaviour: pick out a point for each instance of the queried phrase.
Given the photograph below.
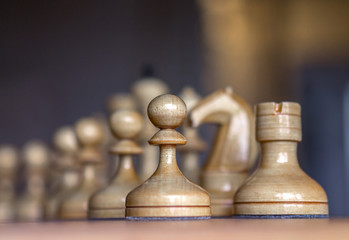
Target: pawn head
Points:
(8, 157)
(65, 140)
(167, 111)
(126, 123)
(36, 154)
(89, 131)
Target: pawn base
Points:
(156, 212)
(106, 213)
(284, 208)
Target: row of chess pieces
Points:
(79, 181)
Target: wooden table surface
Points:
(180, 230)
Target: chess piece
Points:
(90, 136)
(110, 201)
(279, 187)
(121, 101)
(234, 149)
(144, 91)
(190, 151)
(167, 194)
(30, 206)
(66, 146)
(9, 162)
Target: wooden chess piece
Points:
(279, 187)
(120, 101)
(234, 150)
(110, 201)
(190, 151)
(144, 91)
(90, 135)
(30, 206)
(167, 194)
(66, 146)
(9, 162)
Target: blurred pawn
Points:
(104, 170)
(116, 102)
(9, 162)
(121, 101)
(66, 147)
(30, 205)
(90, 136)
(190, 152)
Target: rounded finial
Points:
(121, 101)
(65, 140)
(8, 157)
(126, 123)
(36, 153)
(89, 131)
(167, 111)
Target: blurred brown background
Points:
(61, 59)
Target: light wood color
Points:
(144, 91)
(263, 229)
(90, 135)
(66, 147)
(120, 101)
(167, 193)
(280, 187)
(9, 162)
(234, 149)
(30, 204)
(190, 152)
(110, 201)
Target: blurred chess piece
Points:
(30, 205)
(66, 147)
(9, 162)
(279, 187)
(104, 170)
(121, 101)
(190, 151)
(90, 135)
(144, 91)
(110, 201)
(167, 194)
(234, 149)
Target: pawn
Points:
(30, 206)
(167, 193)
(120, 101)
(90, 136)
(8, 171)
(110, 202)
(190, 151)
(280, 188)
(66, 146)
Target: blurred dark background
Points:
(60, 60)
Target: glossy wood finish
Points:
(90, 136)
(110, 201)
(167, 193)
(287, 229)
(144, 91)
(30, 204)
(190, 158)
(9, 162)
(280, 187)
(66, 147)
(234, 149)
